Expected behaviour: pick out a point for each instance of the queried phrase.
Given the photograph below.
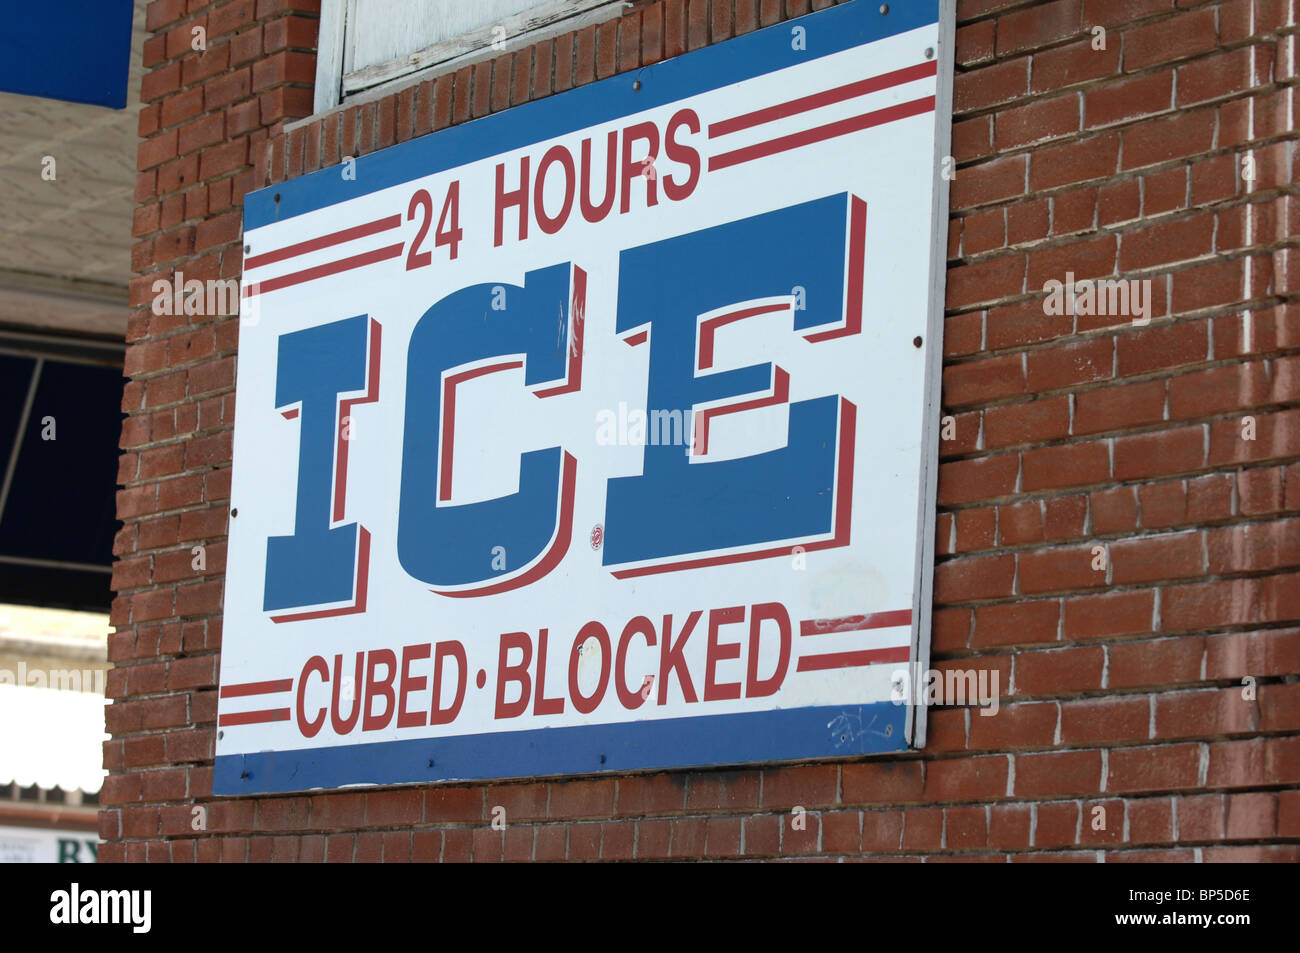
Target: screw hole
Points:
(234, 511)
(277, 198)
(916, 341)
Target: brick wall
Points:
(1122, 685)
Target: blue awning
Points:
(74, 50)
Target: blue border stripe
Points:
(708, 740)
(754, 54)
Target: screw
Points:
(929, 52)
(916, 341)
(247, 249)
(884, 9)
(220, 735)
(234, 511)
(636, 84)
(277, 198)
(602, 759)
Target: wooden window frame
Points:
(546, 19)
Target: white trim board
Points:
(335, 87)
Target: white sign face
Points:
(40, 845)
(599, 434)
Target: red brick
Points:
(992, 181)
(1031, 725)
(1225, 74)
(922, 829)
(1038, 121)
(1058, 773)
(1059, 671)
(1033, 422)
(784, 788)
(1082, 362)
(653, 794)
(986, 281)
(453, 805)
(1202, 605)
(979, 381)
(882, 782)
(584, 841)
(1104, 720)
(1074, 63)
(1129, 99)
(966, 778)
(1159, 43)
(1016, 623)
(1074, 162)
(1057, 825)
(1160, 140)
(582, 799)
(1162, 453)
(1009, 826)
(1108, 614)
(1070, 465)
(1152, 558)
(617, 841)
(1160, 768)
(1232, 656)
(973, 578)
(1038, 26)
(762, 836)
(725, 790)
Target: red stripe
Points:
(253, 717)
(856, 623)
(256, 688)
(837, 95)
(843, 512)
(325, 241)
(780, 395)
(710, 326)
(817, 663)
(821, 133)
(291, 413)
(857, 262)
(345, 412)
(632, 340)
(322, 271)
(449, 418)
(574, 375)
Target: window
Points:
(365, 44)
(60, 421)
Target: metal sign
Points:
(42, 845)
(598, 434)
